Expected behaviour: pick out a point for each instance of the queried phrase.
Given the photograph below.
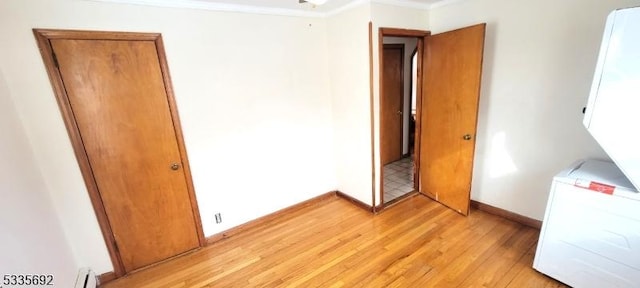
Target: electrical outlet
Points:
(218, 218)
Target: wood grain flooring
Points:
(415, 243)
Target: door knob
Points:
(399, 112)
(466, 137)
(175, 166)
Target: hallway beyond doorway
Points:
(398, 178)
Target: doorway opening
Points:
(447, 91)
(398, 126)
(400, 50)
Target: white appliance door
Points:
(613, 110)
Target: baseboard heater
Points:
(86, 279)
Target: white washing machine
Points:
(590, 236)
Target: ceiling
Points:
(331, 5)
(279, 7)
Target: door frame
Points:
(43, 37)
(407, 33)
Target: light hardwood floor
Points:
(416, 243)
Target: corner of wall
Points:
(37, 242)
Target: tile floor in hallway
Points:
(398, 178)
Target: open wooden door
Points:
(451, 87)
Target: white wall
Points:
(348, 47)
(538, 65)
(252, 92)
(410, 44)
(388, 16)
(31, 238)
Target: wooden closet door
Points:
(119, 101)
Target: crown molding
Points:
(221, 7)
(238, 8)
(404, 4)
(348, 6)
(444, 3)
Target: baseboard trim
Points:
(105, 278)
(268, 218)
(355, 201)
(524, 220)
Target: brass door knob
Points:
(467, 137)
(175, 166)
